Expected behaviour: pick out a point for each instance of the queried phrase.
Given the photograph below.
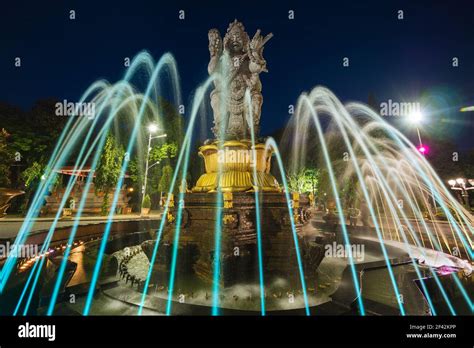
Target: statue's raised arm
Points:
(255, 52)
(215, 49)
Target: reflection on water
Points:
(81, 275)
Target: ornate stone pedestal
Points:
(229, 168)
(239, 258)
(235, 160)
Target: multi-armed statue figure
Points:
(230, 159)
(239, 61)
(238, 166)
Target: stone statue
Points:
(239, 60)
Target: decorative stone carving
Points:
(170, 217)
(230, 220)
(185, 218)
(247, 219)
(238, 61)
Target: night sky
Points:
(402, 60)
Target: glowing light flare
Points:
(415, 117)
(152, 128)
(423, 149)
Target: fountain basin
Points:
(238, 250)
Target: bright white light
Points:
(460, 181)
(452, 182)
(152, 128)
(415, 116)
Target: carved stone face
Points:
(236, 42)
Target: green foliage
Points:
(349, 191)
(34, 138)
(134, 172)
(165, 180)
(146, 202)
(171, 121)
(32, 174)
(108, 170)
(34, 134)
(110, 163)
(164, 151)
(303, 181)
(105, 205)
(5, 160)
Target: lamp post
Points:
(152, 128)
(467, 108)
(460, 185)
(416, 117)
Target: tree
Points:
(31, 177)
(165, 180)
(163, 153)
(33, 135)
(163, 150)
(108, 170)
(146, 202)
(5, 159)
(135, 173)
(303, 181)
(32, 174)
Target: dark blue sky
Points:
(393, 59)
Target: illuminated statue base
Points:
(242, 168)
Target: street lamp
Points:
(416, 117)
(460, 185)
(467, 108)
(152, 128)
